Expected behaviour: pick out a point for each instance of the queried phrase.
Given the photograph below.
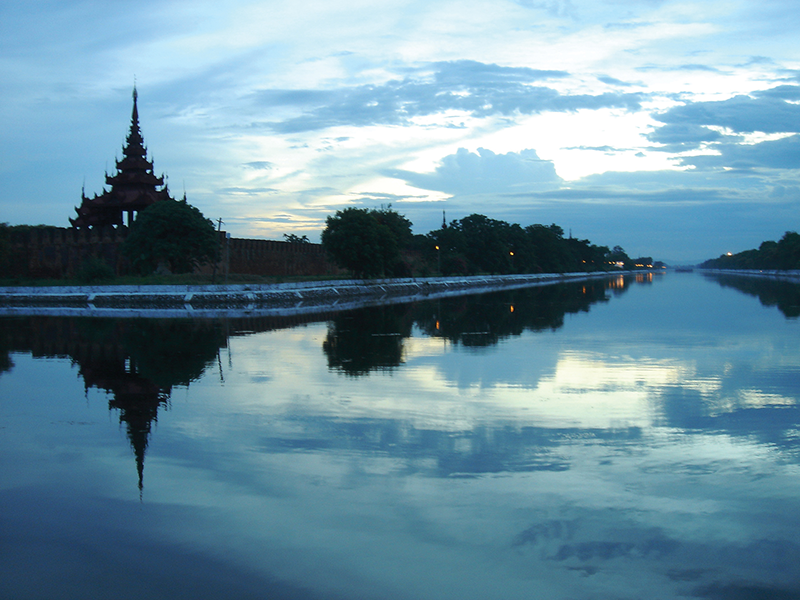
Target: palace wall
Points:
(272, 258)
(55, 253)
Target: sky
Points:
(669, 128)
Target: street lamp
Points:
(438, 260)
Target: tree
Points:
(447, 250)
(171, 234)
(5, 246)
(620, 258)
(788, 251)
(783, 255)
(367, 242)
(295, 239)
(551, 251)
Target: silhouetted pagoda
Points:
(133, 188)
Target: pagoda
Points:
(133, 188)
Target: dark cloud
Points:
(484, 172)
(621, 196)
(475, 88)
(678, 137)
(768, 113)
(783, 92)
(746, 591)
(777, 154)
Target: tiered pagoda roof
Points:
(133, 188)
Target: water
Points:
(616, 439)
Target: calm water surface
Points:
(615, 439)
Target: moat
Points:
(623, 437)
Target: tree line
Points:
(379, 243)
(783, 255)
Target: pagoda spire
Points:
(134, 186)
(135, 141)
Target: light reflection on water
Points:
(618, 440)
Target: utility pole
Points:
(216, 262)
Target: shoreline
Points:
(780, 275)
(281, 299)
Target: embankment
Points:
(232, 300)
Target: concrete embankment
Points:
(231, 300)
(784, 275)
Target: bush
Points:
(94, 270)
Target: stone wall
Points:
(55, 253)
(271, 258)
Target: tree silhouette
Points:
(171, 234)
(367, 242)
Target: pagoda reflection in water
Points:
(138, 362)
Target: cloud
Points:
(460, 71)
(604, 149)
(470, 87)
(784, 92)
(244, 191)
(767, 113)
(613, 81)
(370, 198)
(620, 196)
(678, 137)
(776, 154)
(259, 165)
(484, 172)
(697, 67)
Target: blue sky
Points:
(670, 128)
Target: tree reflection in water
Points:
(785, 295)
(372, 339)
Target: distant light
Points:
(730, 253)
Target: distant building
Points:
(133, 188)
